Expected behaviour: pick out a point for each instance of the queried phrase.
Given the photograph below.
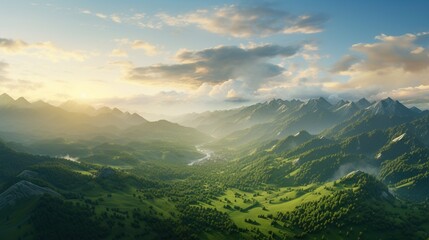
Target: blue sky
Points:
(170, 57)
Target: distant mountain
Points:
(5, 99)
(222, 123)
(415, 109)
(316, 105)
(380, 115)
(363, 103)
(165, 131)
(340, 103)
(314, 116)
(22, 121)
(391, 108)
(74, 106)
(347, 110)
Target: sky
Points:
(174, 57)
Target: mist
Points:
(350, 167)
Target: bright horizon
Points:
(167, 59)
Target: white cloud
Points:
(395, 66)
(238, 21)
(3, 67)
(46, 50)
(148, 48)
(85, 11)
(140, 20)
(101, 15)
(8, 84)
(231, 20)
(118, 53)
(115, 18)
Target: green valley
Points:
(371, 184)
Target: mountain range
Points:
(278, 118)
(23, 121)
(274, 170)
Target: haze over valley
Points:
(214, 120)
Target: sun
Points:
(83, 96)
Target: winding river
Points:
(208, 153)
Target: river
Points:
(208, 153)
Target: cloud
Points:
(239, 21)
(118, 53)
(233, 96)
(45, 50)
(11, 45)
(165, 102)
(418, 95)
(230, 20)
(217, 65)
(85, 11)
(302, 80)
(231, 91)
(344, 63)
(140, 20)
(3, 67)
(395, 51)
(422, 90)
(115, 18)
(8, 84)
(100, 15)
(396, 66)
(148, 48)
(391, 62)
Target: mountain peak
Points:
(322, 99)
(302, 133)
(275, 101)
(41, 104)
(347, 109)
(415, 109)
(103, 110)
(117, 111)
(77, 107)
(363, 103)
(5, 95)
(341, 103)
(5, 99)
(22, 102)
(390, 107)
(319, 102)
(387, 101)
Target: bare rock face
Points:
(23, 190)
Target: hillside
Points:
(369, 182)
(21, 191)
